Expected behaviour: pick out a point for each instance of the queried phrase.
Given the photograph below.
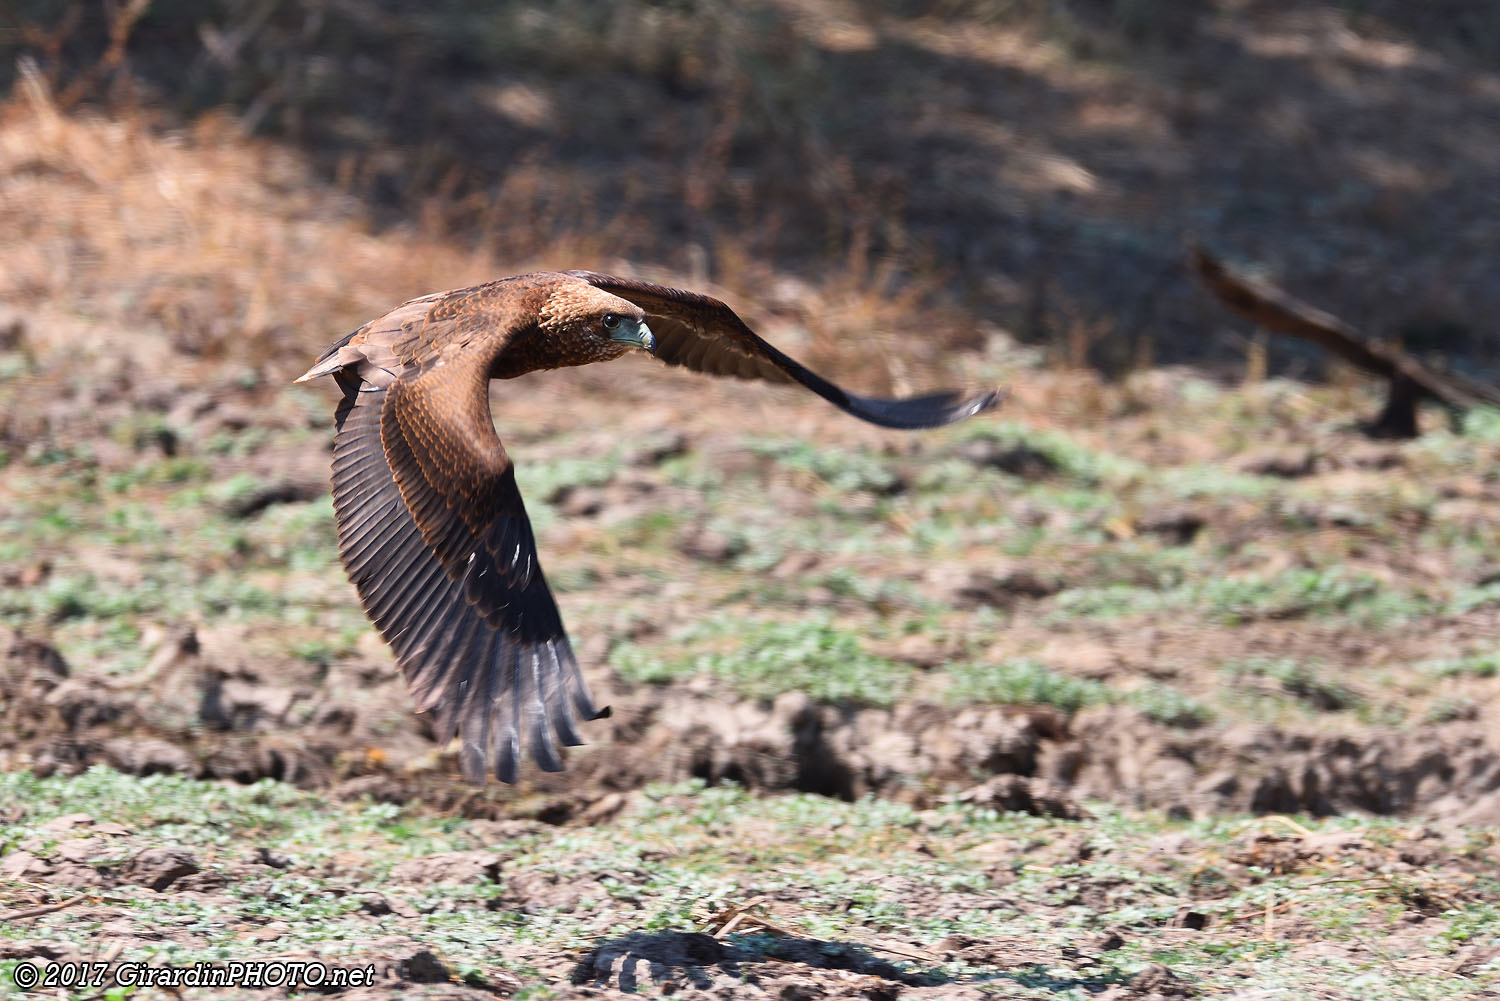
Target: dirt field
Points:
(1159, 686)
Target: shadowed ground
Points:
(1036, 164)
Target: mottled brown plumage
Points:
(431, 526)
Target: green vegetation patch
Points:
(1482, 424)
(1023, 682)
(1297, 593)
(763, 660)
(1028, 682)
(842, 469)
(1027, 449)
(1475, 665)
(1307, 683)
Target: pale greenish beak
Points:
(639, 337)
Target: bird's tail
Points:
(335, 358)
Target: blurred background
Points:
(1027, 165)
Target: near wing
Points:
(437, 542)
(702, 333)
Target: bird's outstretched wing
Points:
(702, 333)
(435, 537)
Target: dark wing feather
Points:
(702, 333)
(436, 539)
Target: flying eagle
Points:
(432, 529)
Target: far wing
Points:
(703, 334)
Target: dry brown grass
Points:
(234, 250)
(222, 243)
(847, 174)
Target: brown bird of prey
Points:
(431, 526)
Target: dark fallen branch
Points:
(1410, 381)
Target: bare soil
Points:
(309, 731)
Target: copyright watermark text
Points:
(259, 973)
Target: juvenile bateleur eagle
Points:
(431, 526)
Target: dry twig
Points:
(27, 913)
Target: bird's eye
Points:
(611, 321)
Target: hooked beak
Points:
(640, 337)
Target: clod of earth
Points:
(432, 528)
(159, 868)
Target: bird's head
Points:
(593, 325)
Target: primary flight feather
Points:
(432, 529)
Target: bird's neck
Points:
(533, 348)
